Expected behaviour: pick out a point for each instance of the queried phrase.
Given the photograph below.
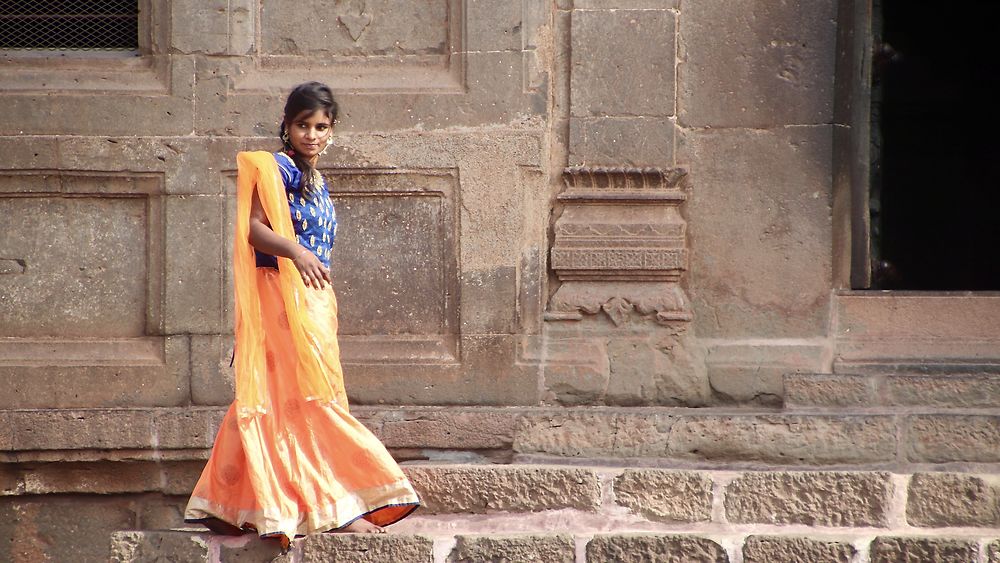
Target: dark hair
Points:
(309, 96)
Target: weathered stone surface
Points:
(86, 276)
(649, 548)
(193, 281)
(75, 429)
(504, 548)
(810, 498)
(633, 82)
(624, 4)
(621, 141)
(993, 552)
(494, 26)
(827, 390)
(200, 27)
(777, 182)
(770, 549)
(945, 438)
(937, 550)
(37, 528)
(483, 489)
(665, 496)
(656, 372)
(787, 439)
(576, 371)
(440, 428)
(953, 499)
(176, 477)
(357, 548)
(41, 373)
(593, 434)
(753, 373)
(755, 63)
(212, 378)
(948, 391)
(141, 546)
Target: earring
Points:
(329, 143)
(284, 136)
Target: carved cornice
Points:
(599, 183)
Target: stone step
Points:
(903, 441)
(894, 392)
(567, 547)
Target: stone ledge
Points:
(895, 392)
(710, 437)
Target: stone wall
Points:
(599, 202)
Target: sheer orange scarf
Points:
(259, 169)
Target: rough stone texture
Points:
(665, 496)
(953, 499)
(650, 548)
(646, 372)
(212, 378)
(755, 63)
(825, 390)
(577, 371)
(743, 373)
(594, 434)
(75, 528)
(948, 391)
(937, 550)
(69, 429)
(141, 547)
(352, 548)
(945, 438)
(787, 439)
(472, 489)
(101, 477)
(633, 82)
(770, 549)
(993, 552)
(810, 498)
(777, 183)
(513, 548)
(439, 428)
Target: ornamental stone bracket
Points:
(621, 245)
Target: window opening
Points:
(74, 25)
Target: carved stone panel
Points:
(395, 269)
(75, 258)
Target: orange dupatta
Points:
(259, 170)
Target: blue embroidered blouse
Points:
(313, 214)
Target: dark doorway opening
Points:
(935, 175)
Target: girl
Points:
(289, 459)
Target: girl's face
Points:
(308, 132)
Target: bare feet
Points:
(359, 526)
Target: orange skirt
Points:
(303, 466)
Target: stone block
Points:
(212, 376)
(769, 549)
(84, 263)
(647, 548)
(937, 500)
(360, 548)
(947, 438)
(949, 391)
(993, 552)
(828, 390)
(785, 439)
(656, 372)
(194, 264)
(622, 63)
(200, 27)
(162, 512)
(770, 190)
(665, 496)
(23, 152)
(477, 490)
(110, 429)
(61, 529)
(811, 498)
(576, 371)
(493, 26)
(885, 549)
(151, 373)
(108, 112)
(440, 428)
(621, 141)
(754, 63)
(489, 301)
(142, 546)
(590, 435)
(753, 373)
(554, 548)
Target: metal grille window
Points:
(101, 25)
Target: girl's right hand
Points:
(314, 273)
